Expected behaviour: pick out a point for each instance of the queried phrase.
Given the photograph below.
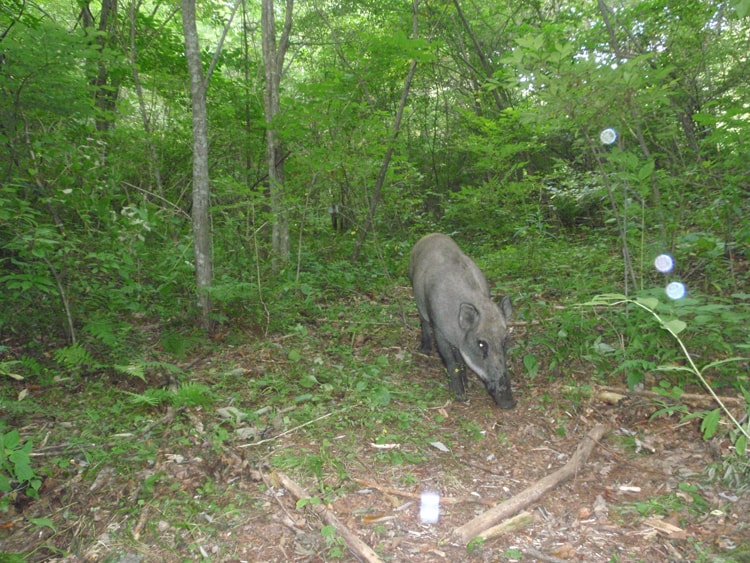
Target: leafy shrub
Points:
(15, 468)
(736, 467)
(575, 198)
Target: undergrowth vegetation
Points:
(319, 321)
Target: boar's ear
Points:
(506, 308)
(468, 316)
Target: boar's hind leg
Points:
(426, 343)
(455, 365)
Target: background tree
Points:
(273, 63)
(201, 189)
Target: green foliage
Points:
(531, 364)
(187, 395)
(311, 501)
(674, 503)
(675, 327)
(75, 358)
(15, 467)
(475, 545)
(499, 147)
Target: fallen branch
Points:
(693, 399)
(475, 527)
(517, 522)
(356, 545)
(536, 554)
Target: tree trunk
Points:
(200, 215)
(502, 99)
(273, 62)
(132, 57)
(106, 89)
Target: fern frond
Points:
(134, 369)
(193, 395)
(75, 357)
(150, 398)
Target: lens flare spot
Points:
(676, 290)
(608, 136)
(664, 263)
(429, 510)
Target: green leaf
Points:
(710, 423)
(10, 440)
(633, 378)
(675, 326)
(328, 531)
(135, 370)
(531, 364)
(312, 501)
(740, 445)
(308, 381)
(646, 170)
(724, 361)
(43, 523)
(21, 468)
(742, 7)
(673, 368)
(605, 299)
(294, 356)
(381, 396)
(648, 302)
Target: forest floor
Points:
(186, 483)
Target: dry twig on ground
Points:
(356, 545)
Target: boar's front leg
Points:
(454, 364)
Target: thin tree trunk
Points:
(106, 88)
(200, 212)
(273, 63)
(204, 270)
(141, 100)
(378, 191)
(502, 100)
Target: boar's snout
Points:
(505, 402)
(502, 395)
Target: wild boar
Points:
(453, 299)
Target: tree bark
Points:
(273, 64)
(200, 211)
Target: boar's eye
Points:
(483, 347)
